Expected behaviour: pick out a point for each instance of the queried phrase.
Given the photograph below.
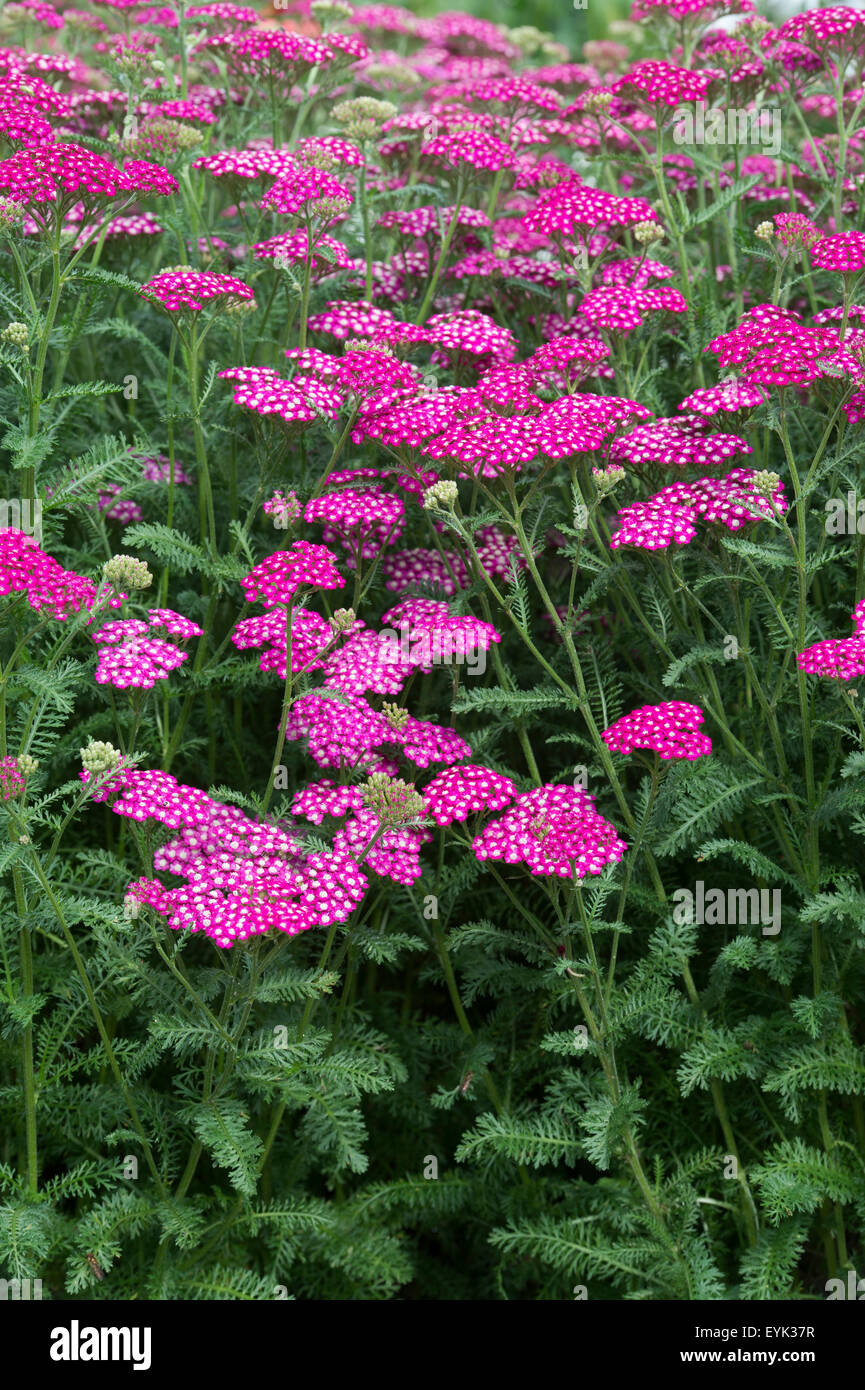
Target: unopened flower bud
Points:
(765, 483)
(396, 716)
(394, 802)
(363, 109)
(10, 213)
(646, 233)
(99, 757)
(598, 103)
(607, 478)
(127, 572)
(343, 619)
(17, 335)
(323, 10)
(765, 231)
(441, 496)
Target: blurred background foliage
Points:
(573, 26)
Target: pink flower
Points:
(844, 252)
(431, 633)
(11, 781)
(58, 174)
(671, 513)
(363, 522)
(180, 291)
(574, 206)
(25, 568)
(240, 877)
(295, 246)
(466, 790)
(301, 401)
(278, 578)
(677, 443)
(670, 730)
(340, 732)
(838, 658)
(555, 831)
(367, 663)
(132, 659)
(311, 636)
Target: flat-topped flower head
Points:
(220, 15)
(740, 499)
(25, 568)
(470, 331)
(465, 790)
(324, 254)
(433, 634)
(305, 191)
(671, 730)
(843, 252)
(832, 32)
(771, 346)
(657, 83)
(12, 783)
(131, 657)
(840, 658)
(621, 308)
(677, 443)
(277, 579)
(555, 831)
(365, 664)
(311, 639)
(188, 291)
(728, 397)
(344, 319)
(52, 177)
(239, 877)
(403, 570)
(475, 150)
(362, 522)
(573, 207)
(339, 731)
(299, 402)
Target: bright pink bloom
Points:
(671, 730)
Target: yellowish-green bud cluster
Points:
(17, 335)
(99, 757)
(127, 572)
(441, 496)
(394, 802)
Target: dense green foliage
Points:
(488, 1084)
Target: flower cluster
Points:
(671, 730)
(240, 877)
(555, 831)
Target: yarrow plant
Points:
(417, 588)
